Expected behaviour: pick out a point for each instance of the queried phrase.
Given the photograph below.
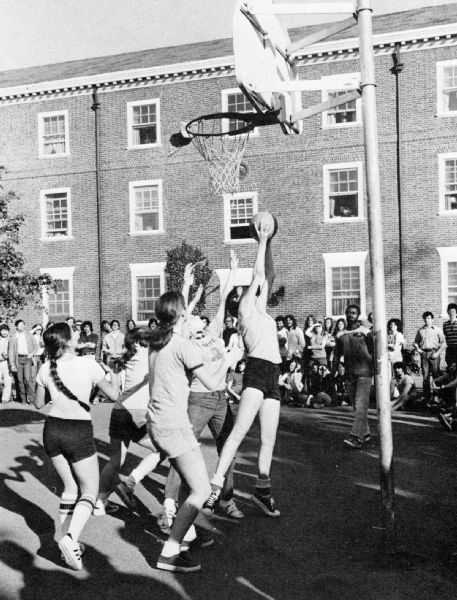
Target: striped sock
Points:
(263, 486)
(83, 509)
(66, 508)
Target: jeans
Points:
(212, 409)
(25, 380)
(430, 367)
(359, 392)
(7, 381)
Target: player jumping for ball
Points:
(260, 384)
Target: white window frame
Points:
(226, 200)
(156, 269)
(58, 238)
(440, 65)
(447, 254)
(243, 277)
(326, 185)
(225, 94)
(442, 182)
(338, 83)
(58, 273)
(344, 259)
(142, 183)
(130, 107)
(41, 117)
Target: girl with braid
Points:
(68, 433)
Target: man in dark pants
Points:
(429, 343)
(21, 351)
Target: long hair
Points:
(137, 335)
(56, 340)
(168, 310)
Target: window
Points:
(148, 283)
(348, 113)
(448, 183)
(55, 214)
(146, 214)
(53, 134)
(143, 124)
(58, 304)
(447, 87)
(235, 101)
(343, 192)
(448, 258)
(345, 281)
(239, 209)
(243, 278)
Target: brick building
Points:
(106, 195)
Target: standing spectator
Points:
(310, 320)
(78, 327)
(283, 339)
(206, 321)
(113, 344)
(450, 333)
(340, 325)
(356, 346)
(296, 343)
(5, 376)
(395, 342)
(153, 323)
(130, 325)
(229, 330)
(88, 340)
(37, 332)
(21, 352)
(235, 382)
(105, 329)
(429, 342)
(74, 332)
(401, 386)
(330, 345)
(318, 341)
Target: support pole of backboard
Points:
(377, 264)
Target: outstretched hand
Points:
(189, 274)
(264, 230)
(233, 260)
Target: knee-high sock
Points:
(81, 514)
(66, 508)
(263, 486)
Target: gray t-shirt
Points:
(170, 369)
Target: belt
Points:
(429, 349)
(23, 355)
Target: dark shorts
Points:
(122, 427)
(262, 375)
(72, 438)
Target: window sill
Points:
(51, 156)
(145, 146)
(238, 242)
(343, 220)
(447, 213)
(62, 238)
(146, 233)
(343, 125)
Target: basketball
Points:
(264, 217)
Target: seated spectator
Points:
(313, 379)
(340, 392)
(291, 386)
(153, 323)
(401, 387)
(323, 397)
(318, 341)
(88, 340)
(235, 382)
(444, 388)
(283, 340)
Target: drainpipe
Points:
(96, 107)
(396, 70)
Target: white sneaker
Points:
(231, 509)
(71, 552)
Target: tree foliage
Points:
(177, 258)
(18, 286)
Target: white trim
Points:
(243, 277)
(442, 182)
(447, 255)
(225, 94)
(440, 112)
(226, 203)
(143, 183)
(43, 220)
(41, 117)
(130, 107)
(326, 187)
(338, 84)
(64, 273)
(156, 269)
(344, 259)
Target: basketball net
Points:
(223, 153)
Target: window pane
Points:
(148, 292)
(452, 282)
(147, 208)
(144, 124)
(345, 288)
(344, 197)
(56, 214)
(343, 113)
(237, 103)
(54, 135)
(241, 213)
(59, 302)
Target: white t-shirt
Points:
(135, 372)
(260, 336)
(169, 383)
(212, 351)
(79, 375)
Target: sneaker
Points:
(203, 540)
(166, 516)
(231, 509)
(126, 495)
(71, 552)
(82, 549)
(179, 563)
(354, 442)
(267, 504)
(213, 501)
(446, 420)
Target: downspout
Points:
(96, 107)
(396, 70)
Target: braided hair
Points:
(56, 340)
(169, 308)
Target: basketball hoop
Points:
(221, 139)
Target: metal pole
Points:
(377, 262)
(96, 107)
